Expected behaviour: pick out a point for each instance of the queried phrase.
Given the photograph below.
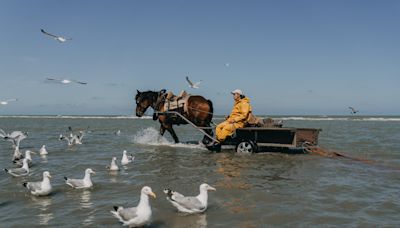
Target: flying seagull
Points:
(193, 85)
(353, 110)
(58, 38)
(5, 102)
(65, 81)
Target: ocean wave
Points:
(299, 118)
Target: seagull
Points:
(113, 166)
(193, 85)
(58, 38)
(17, 172)
(139, 215)
(126, 159)
(5, 102)
(190, 204)
(43, 150)
(353, 110)
(40, 188)
(27, 156)
(72, 139)
(65, 81)
(86, 182)
(70, 143)
(17, 155)
(15, 137)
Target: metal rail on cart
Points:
(191, 123)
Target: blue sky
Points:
(289, 57)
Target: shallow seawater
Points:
(258, 190)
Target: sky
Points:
(303, 57)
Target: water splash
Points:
(150, 136)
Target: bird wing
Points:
(34, 186)
(128, 213)
(16, 134)
(2, 134)
(54, 79)
(46, 33)
(190, 202)
(188, 80)
(75, 183)
(79, 82)
(197, 84)
(18, 172)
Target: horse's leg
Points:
(206, 140)
(173, 134)
(162, 129)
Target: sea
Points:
(252, 190)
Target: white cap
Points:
(238, 91)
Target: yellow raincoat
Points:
(239, 116)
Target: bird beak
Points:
(33, 152)
(153, 195)
(211, 188)
(93, 172)
(50, 176)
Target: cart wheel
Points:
(246, 147)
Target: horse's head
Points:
(146, 99)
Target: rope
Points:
(312, 149)
(200, 110)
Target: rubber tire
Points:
(246, 147)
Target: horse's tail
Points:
(210, 112)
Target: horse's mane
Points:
(146, 94)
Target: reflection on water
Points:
(88, 221)
(43, 204)
(44, 158)
(86, 203)
(189, 220)
(113, 176)
(231, 171)
(201, 221)
(85, 199)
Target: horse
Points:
(199, 112)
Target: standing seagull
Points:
(58, 38)
(193, 85)
(353, 110)
(5, 102)
(40, 188)
(65, 81)
(190, 204)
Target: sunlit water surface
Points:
(265, 189)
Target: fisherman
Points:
(237, 119)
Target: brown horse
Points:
(199, 112)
